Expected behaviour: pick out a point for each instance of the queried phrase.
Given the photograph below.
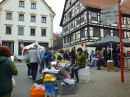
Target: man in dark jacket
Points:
(73, 55)
(100, 62)
(34, 57)
(48, 57)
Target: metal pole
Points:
(121, 49)
(111, 51)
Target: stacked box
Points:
(49, 89)
(110, 66)
(37, 93)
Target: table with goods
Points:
(56, 76)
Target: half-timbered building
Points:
(81, 22)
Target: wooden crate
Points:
(110, 66)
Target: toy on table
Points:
(49, 86)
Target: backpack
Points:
(44, 54)
(59, 57)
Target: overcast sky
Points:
(57, 7)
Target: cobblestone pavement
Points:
(103, 84)
(23, 83)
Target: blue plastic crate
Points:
(91, 65)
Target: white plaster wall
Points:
(13, 5)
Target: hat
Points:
(79, 49)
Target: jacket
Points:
(48, 56)
(73, 54)
(105, 53)
(66, 56)
(60, 56)
(27, 62)
(34, 55)
(41, 56)
(57, 56)
(7, 69)
(81, 60)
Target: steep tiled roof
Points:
(55, 37)
(99, 3)
(43, 1)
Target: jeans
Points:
(41, 67)
(105, 60)
(74, 70)
(115, 60)
(34, 70)
(47, 64)
(29, 70)
(73, 61)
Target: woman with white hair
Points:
(42, 60)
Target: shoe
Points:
(33, 81)
(30, 77)
(77, 80)
(98, 69)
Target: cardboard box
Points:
(110, 66)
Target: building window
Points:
(8, 30)
(21, 3)
(71, 38)
(82, 18)
(122, 19)
(72, 24)
(116, 33)
(95, 32)
(94, 16)
(106, 32)
(44, 45)
(20, 31)
(33, 5)
(78, 6)
(78, 20)
(70, 2)
(33, 18)
(43, 19)
(10, 45)
(70, 15)
(64, 40)
(32, 32)
(9, 16)
(43, 32)
(21, 17)
(82, 33)
(67, 39)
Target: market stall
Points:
(56, 76)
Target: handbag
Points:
(13, 83)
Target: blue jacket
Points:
(48, 56)
(66, 56)
(41, 54)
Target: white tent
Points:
(32, 45)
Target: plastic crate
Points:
(66, 89)
(85, 78)
(91, 65)
(75, 82)
(37, 93)
(84, 71)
